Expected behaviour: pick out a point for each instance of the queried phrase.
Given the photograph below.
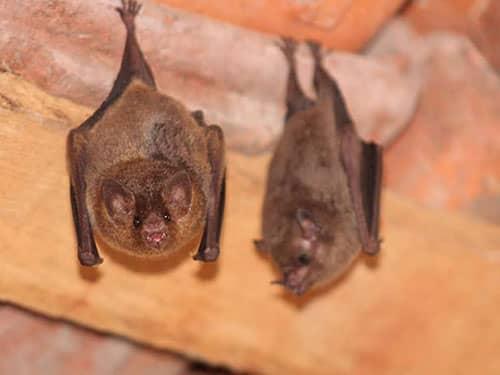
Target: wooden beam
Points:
(427, 304)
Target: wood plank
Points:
(426, 305)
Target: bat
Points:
(321, 205)
(147, 176)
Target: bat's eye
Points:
(304, 259)
(166, 216)
(137, 221)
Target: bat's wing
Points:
(362, 161)
(133, 64)
(87, 250)
(296, 101)
(208, 250)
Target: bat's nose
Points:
(154, 223)
(154, 230)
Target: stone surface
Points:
(486, 35)
(340, 24)
(479, 19)
(73, 49)
(382, 92)
(457, 15)
(385, 317)
(33, 344)
(449, 156)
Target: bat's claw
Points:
(128, 11)
(88, 259)
(209, 254)
(288, 47)
(315, 50)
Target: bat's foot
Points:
(128, 11)
(88, 259)
(288, 47)
(319, 75)
(209, 254)
(315, 50)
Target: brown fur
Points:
(306, 173)
(146, 174)
(156, 136)
(321, 202)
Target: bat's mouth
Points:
(295, 280)
(155, 239)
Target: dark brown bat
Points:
(146, 174)
(322, 201)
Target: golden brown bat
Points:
(323, 186)
(146, 174)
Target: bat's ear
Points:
(310, 229)
(118, 200)
(177, 195)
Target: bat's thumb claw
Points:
(260, 245)
(209, 254)
(373, 248)
(88, 259)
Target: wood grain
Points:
(428, 304)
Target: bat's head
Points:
(310, 255)
(148, 211)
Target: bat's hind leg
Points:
(133, 62)
(133, 65)
(295, 99)
(323, 81)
